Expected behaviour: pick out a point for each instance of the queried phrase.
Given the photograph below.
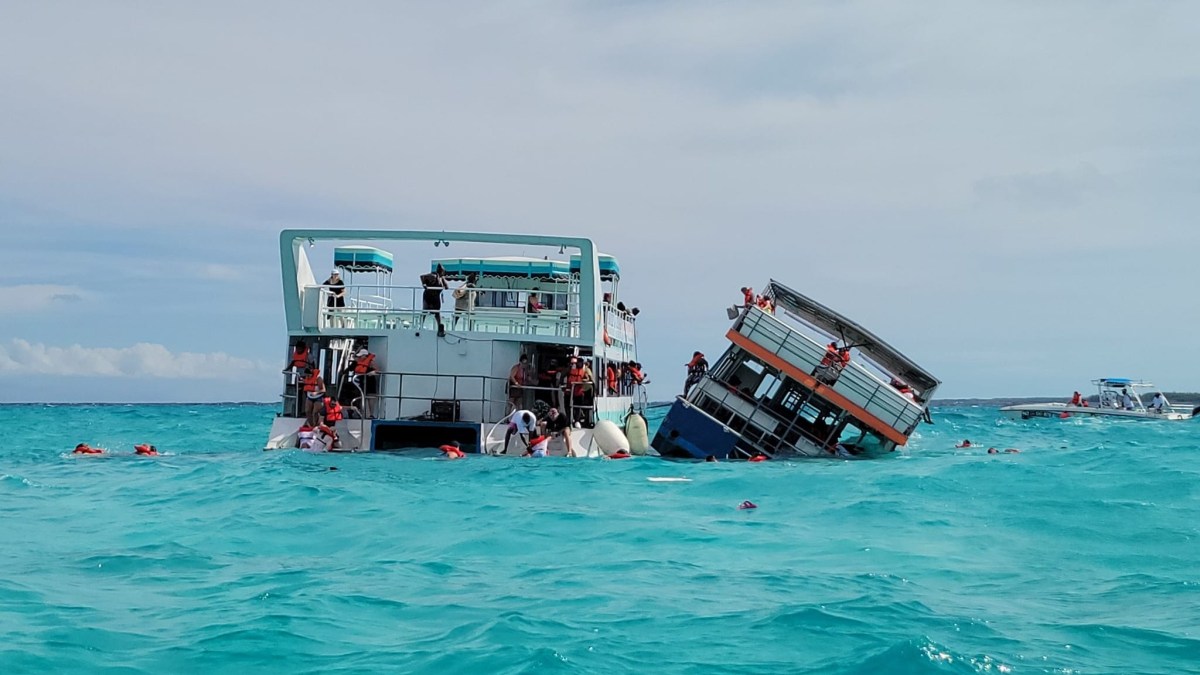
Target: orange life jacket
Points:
(363, 364)
(311, 380)
(748, 296)
(575, 375)
(300, 356)
(831, 355)
(333, 410)
(612, 377)
(636, 374)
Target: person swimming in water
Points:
(452, 450)
(965, 444)
(146, 450)
(85, 449)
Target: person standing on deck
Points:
(517, 377)
(464, 302)
(696, 368)
(431, 298)
(314, 395)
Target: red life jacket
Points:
(333, 410)
(748, 296)
(452, 452)
(831, 355)
(311, 380)
(612, 377)
(363, 364)
(636, 374)
(300, 356)
(575, 375)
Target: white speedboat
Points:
(443, 376)
(1118, 397)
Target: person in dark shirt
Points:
(337, 290)
(557, 424)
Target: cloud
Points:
(39, 297)
(144, 360)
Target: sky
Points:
(1006, 192)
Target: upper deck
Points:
(576, 309)
(792, 342)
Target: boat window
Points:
(769, 385)
(499, 299)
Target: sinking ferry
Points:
(798, 380)
(443, 376)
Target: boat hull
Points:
(1066, 411)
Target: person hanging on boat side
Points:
(522, 424)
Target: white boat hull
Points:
(1066, 411)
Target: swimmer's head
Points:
(993, 451)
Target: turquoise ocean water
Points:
(1081, 554)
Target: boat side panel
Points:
(688, 433)
(830, 394)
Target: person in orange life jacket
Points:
(764, 303)
(144, 449)
(696, 368)
(1076, 399)
(363, 374)
(747, 296)
(299, 360)
(612, 377)
(538, 447)
(577, 375)
(333, 412)
(85, 449)
(324, 438)
(314, 395)
(831, 355)
(304, 436)
(452, 450)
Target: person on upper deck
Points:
(337, 290)
(431, 298)
(464, 301)
(532, 304)
(747, 296)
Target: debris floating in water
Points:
(747, 505)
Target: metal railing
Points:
(401, 308)
(856, 383)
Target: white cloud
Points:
(20, 357)
(39, 297)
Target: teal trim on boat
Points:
(534, 268)
(609, 267)
(362, 259)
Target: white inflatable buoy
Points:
(635, 431)
(609, 437)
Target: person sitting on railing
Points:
(835, 360)
(747, 296)
(557, 424)
(431, 298)
(522, 423)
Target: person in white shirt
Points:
(1158, 403)
(1126, 400)
(522, 423)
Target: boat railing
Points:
(400, 308)
(463, 398)
(856, 383)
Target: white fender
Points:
(609, 437)
(635, 431)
